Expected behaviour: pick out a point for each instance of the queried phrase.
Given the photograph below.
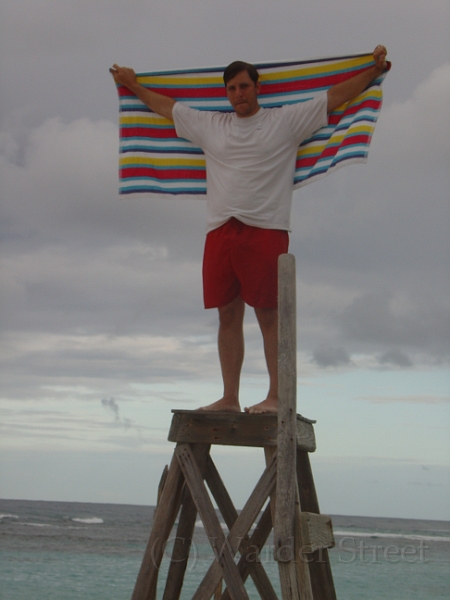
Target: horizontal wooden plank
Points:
(235, 429)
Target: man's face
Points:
(242, 93)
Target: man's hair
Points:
(237, 67)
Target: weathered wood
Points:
(181, 547)
(295, 578)
(252, 545)
(305, 481)
(287, 570)
(162, 482)
(218, 592)
(288, 580)
(184, 533)
(303, 574)
(287, 397)
(163, 521)
(255, 545)
(211, 523)
(236, 429)
(319, 562)
(240, 529)
(316, 532)
(269, 453)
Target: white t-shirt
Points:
(250, 161)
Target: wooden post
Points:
(163, 520)
(318, 562)
(287, 410)
(286, 493)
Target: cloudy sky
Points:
(103, 327)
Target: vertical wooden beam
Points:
(163, 520)
(319, 561)
(303, 572)
(284, 505)
(284, 526)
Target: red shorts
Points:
(242, 260)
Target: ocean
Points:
(81, 551)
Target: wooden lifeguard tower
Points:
(302, 535)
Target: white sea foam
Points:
(372, 534)
(89, 520)
(224, 527)
(40, 525)
(409, 536)
(7, 516)
(200, 524)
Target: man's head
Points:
(237, 67)
(242, 86)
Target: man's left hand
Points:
(379, 57)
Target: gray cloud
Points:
(373, 318)
(331, 357)
(395, 357)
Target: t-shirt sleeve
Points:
(189, 123)
(304, 118)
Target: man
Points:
(250, 162)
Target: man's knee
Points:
(267, 317)
(232, 314)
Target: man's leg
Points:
(231, 354)
(268, 322)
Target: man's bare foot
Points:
(222, 405)
(269, 405)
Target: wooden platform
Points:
(236, 429)
(183, 493)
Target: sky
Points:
(103, 329)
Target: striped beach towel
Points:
(153, 160)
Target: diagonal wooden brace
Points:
(256, 542)
(255, 569)
(163, 520)
(211, 523)
(184, 533)
(240, 529)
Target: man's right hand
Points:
(124, 76)
(158, 103)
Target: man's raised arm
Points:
(158, 103)
(349, 89)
